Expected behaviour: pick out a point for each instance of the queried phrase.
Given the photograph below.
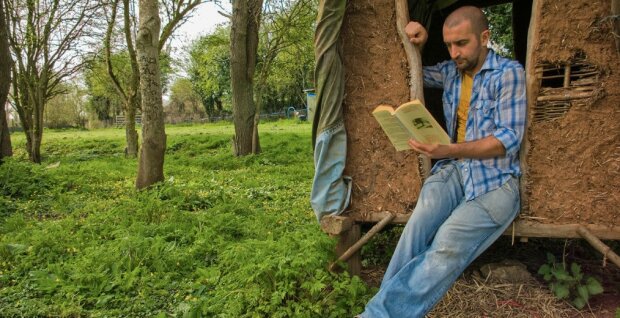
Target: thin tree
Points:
(130, 93)
(175, 13)
(45, 42)
(243, 47)
(5, 84)
(281, 18)
(151, 164)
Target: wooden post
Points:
(335, 224)
(567, 75)
(346, 240)
(532, 83)
(414, 59)
(354, 248)
(599, 245)
(615, 11)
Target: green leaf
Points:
(560, 290)
(578, 302)
(545, 270)
(576, 270)
(583, 292)
(550, 258)
(594, 286)
(617, 313)
(562, 275)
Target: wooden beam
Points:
(599, 246)
(536, 229)
(335, 225)
(564, 96)
(374, 217)
(522, 228)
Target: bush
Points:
(22, 180)
(571, 285)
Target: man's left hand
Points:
(434, 151)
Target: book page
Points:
(393, 129)
(421, 124)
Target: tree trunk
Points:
(255, 140)
(133, 93)
(151, 163)
(37, 127)
(35, 150)
(131, 135)
(5, 84)
(243, 48)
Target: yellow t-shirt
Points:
(467, 83)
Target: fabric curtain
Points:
(331, 191)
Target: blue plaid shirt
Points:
(497, 108)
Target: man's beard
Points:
(464, 64)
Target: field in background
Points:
(225, 236)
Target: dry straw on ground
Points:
(472, 296)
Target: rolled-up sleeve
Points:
(433, 76)
(511, 114)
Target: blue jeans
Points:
(443, 236)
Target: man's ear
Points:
(484, 37)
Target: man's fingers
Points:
(418, 146)
(416, 33)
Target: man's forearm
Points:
(488, 147)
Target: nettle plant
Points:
(571, 284)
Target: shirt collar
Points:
(491, 61)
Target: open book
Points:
(409, 120)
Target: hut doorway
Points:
(435, 50)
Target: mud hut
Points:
(571, 152)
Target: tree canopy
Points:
(209, 70)
(285, 59)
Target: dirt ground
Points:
(473, 295)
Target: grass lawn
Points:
(221, 237)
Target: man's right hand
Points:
(417, 33)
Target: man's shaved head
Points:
(472, 14)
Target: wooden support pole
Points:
(346, 240)
(599, 245)
(358, 245)
(414, 59)
(615, 11)
(533, 74)
(567, 75)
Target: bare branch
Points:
(224, 14)
(108, 54)
(175, 17)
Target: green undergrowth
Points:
(221, 237)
